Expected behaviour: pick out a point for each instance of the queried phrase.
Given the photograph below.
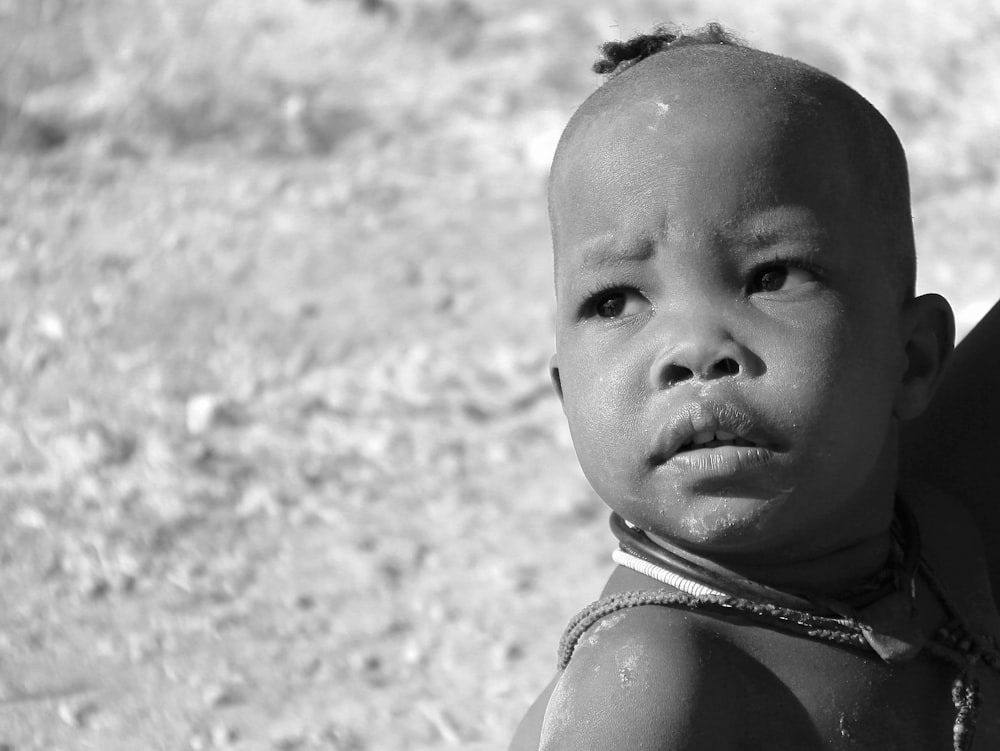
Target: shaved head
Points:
(708, 91)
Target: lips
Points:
(699, 426)
(711, 439)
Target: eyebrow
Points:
(610, 250)
(776, 227)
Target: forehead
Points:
(712, 131)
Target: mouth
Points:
(711, 439)
(709, 427)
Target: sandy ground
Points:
(281, 468)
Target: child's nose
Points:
(703, 353)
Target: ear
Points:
(554, 375)
(928, 330)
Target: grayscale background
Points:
(281, 468)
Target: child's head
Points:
(736, 328)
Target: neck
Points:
(831, 573)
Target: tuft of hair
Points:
(618, 57)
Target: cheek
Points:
(601, 407)
(806, 350)
(809, 367)
(838, 376)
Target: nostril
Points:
(675, 374)
(727, 366)
(681, 365)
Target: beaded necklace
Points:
(878, 617)
(897, 575)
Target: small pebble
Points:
(288, 738)
(50, 326)
(30, 518)
(200, 413)
(220, 695)
(77, 714)
(223, 736)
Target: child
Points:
(737, 341)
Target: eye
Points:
(617, 303)
(779, 277)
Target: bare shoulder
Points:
(653, 678)
(638, 679)
(528, 735)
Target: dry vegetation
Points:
(280, 465)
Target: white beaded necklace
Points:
(675, 580)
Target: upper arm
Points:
(528, 735)
(639, 680)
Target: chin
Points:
(722, 524)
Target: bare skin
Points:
(658, 678)
(780, 667)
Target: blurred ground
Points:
(280, 464)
